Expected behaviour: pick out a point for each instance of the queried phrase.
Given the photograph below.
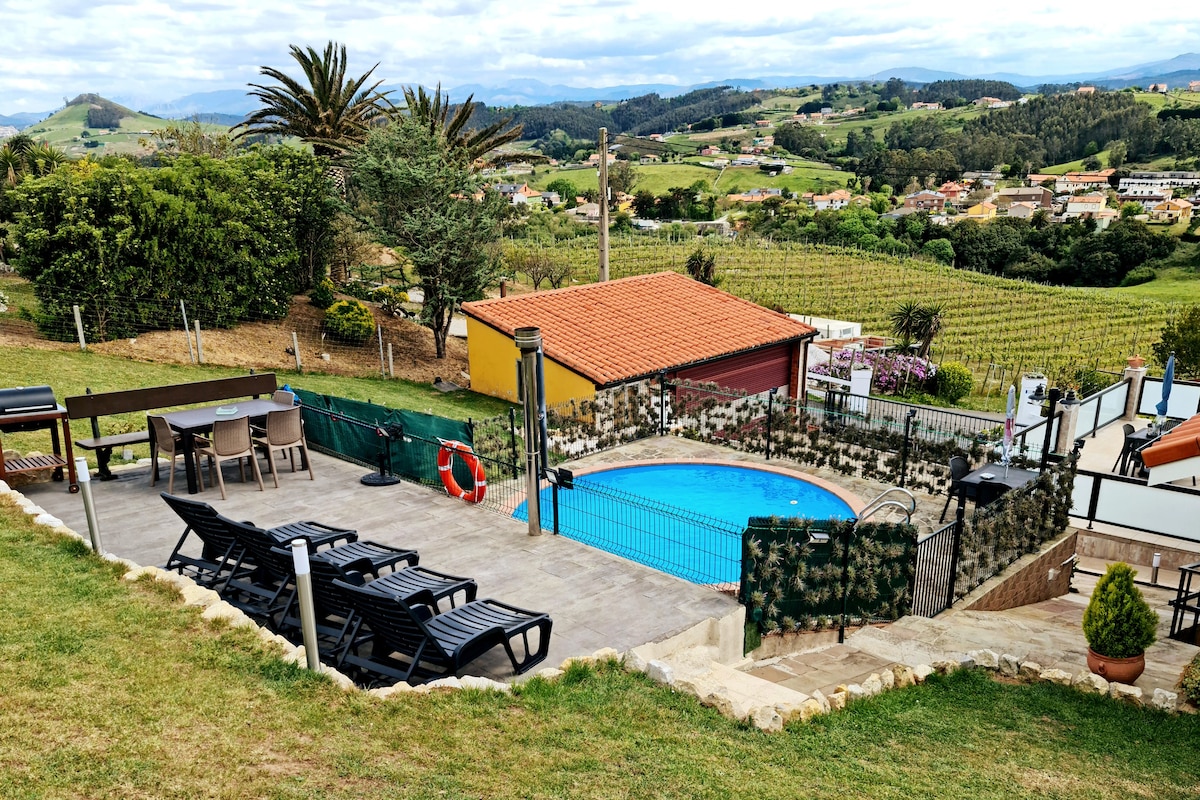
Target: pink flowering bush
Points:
(894, 373)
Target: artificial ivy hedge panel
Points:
(1016, 524)
(790, 583)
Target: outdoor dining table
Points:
(1136, 441)
(192, 421)
(987, 483)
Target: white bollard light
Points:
(308, 615)
(89, 506)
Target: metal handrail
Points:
(885, 504)
(869, 508)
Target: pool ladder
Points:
(884, 501)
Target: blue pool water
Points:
(683, 519)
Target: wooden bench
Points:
(93, 406)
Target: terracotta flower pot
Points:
(1118, 670)
(1136, 362)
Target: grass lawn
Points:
(1173, 285)
(110, 689)
(71, 372)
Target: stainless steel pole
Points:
(308, 615)
(529, 341)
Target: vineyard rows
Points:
(999, 328)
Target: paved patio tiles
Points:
(596, 599)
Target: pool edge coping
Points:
(855, 503)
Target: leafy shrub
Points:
(391, 300)
(1138, 275)
(1118, 622)
(954, 381)
(349, 321)
(1191, 681)
(359, 288)
(235, 239)
(321, 295)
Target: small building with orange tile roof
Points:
(1176, 454)
(602, 335)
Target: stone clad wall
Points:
(1027, 581)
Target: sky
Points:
(150, 51)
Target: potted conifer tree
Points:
(1119, 625)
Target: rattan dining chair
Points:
(285, 432)
(166, 442)
(230, 439)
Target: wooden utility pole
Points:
(604, 204)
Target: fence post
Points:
(662, 403)
(199, 346)
(960, 521)
(512, 439)
(79, 328)
(296, 351)
(845, 585)
(379, 330)
(770, 409)
(391, 364)
(908, 420)
(187, 333)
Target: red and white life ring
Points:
(445, 470)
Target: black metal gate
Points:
(937, 565)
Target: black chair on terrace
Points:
(337, 623)
(959, 469)
(410, 643)
(268, 590)
(1123, 457)
(220, 550)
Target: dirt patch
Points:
(268, 346)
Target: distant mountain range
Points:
(229, 106)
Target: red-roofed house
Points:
(600, 335)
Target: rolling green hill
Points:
(70, 131)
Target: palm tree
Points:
(20, 156)
(905, 322)
(331, 113)
(433, 110)
(929, 325)
(913, 322)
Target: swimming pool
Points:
(684, 519)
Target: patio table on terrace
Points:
(192, 421)
(990, 481)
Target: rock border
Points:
(214, 608)
(735, 694)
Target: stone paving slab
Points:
(596, 599)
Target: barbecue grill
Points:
(32, 408)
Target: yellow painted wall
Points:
(493, 361)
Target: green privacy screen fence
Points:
(365, 432)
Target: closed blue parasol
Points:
(1009, 415)
(1168, 379)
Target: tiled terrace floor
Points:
(596, 599)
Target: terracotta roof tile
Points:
(618, 330)
(1183, 441)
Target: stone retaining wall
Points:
(1031, 579)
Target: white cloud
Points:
(158, 50)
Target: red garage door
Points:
(752, 372)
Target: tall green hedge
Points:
(790, 583)
(232, 238)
